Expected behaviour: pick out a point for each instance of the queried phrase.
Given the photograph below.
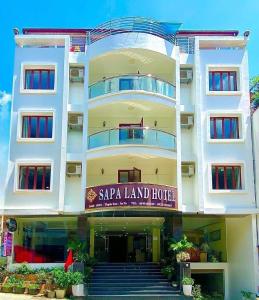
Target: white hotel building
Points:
(128, 134)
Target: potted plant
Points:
(168, 271)
(33, 289)
(246, 295)
(7, 287)
(204, 252)
(61, 279)
(180, 249)
(51, 294)
(182, 256)
(187, 283)
(77, 282)
(18, 287)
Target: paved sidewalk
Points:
(7, 296)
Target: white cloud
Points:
(5, 98)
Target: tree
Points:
(254, 92)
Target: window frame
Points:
(222, 119)
(223, 114)
(36, 163)
(242, 165)
(35, 177)
(36, 66)
(224, 68)
(31, 113)
(220, 72)
(225, 176)
(128, 171)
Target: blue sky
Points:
(194, 14)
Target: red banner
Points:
(131, 195)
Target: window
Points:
(37, 126)
(224, 128)
(129, 132)
(226, 177)
(39, 79)
(126, 84)
(223, 81)
(34, 177)
(125, 176)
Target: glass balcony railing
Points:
(133, 136)
(130, 83)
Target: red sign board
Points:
(131, 195)
(7, 243)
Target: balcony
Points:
(132, 136)
(135, 82)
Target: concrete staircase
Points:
(130, 281)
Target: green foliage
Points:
(76, 278)
(247, 295)
(24, 270)
(179, 246)
(34, 286)
(12, 280)
(254, 91)
(19, 284)
(168, 270)
(196, 292)
(61, 278)
(187, 281)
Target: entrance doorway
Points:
(125, 239)
(117, 248)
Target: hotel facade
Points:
(128, 134)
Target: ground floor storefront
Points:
(223, 258)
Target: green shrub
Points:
(179, 246)
(187, 281)
(61, 278)
(75, 278)
(24, 269)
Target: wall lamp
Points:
(102, 171)
(156, 171)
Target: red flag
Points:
(69, 260)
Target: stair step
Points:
(130, 280)
(126, 284)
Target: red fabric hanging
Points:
(69, 260)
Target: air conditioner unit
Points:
(185, 75)
(75, 121)
(77, 74)
(187, 170)
(186, 121)
(74, 169)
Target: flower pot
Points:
(18, 290)
(33, 291)
(51, 294)
(60, 294)
(187, 290)
(7, 289)
(78, 290)
(203, 256)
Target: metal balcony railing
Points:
(132, 136)
(134, 24)
(135, 82)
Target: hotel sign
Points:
(131, 195)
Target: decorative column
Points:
(156, 244)
(92, 240)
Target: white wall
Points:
(242, 255)
(225, 152)
(41, 201)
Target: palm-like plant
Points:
(180, 246)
